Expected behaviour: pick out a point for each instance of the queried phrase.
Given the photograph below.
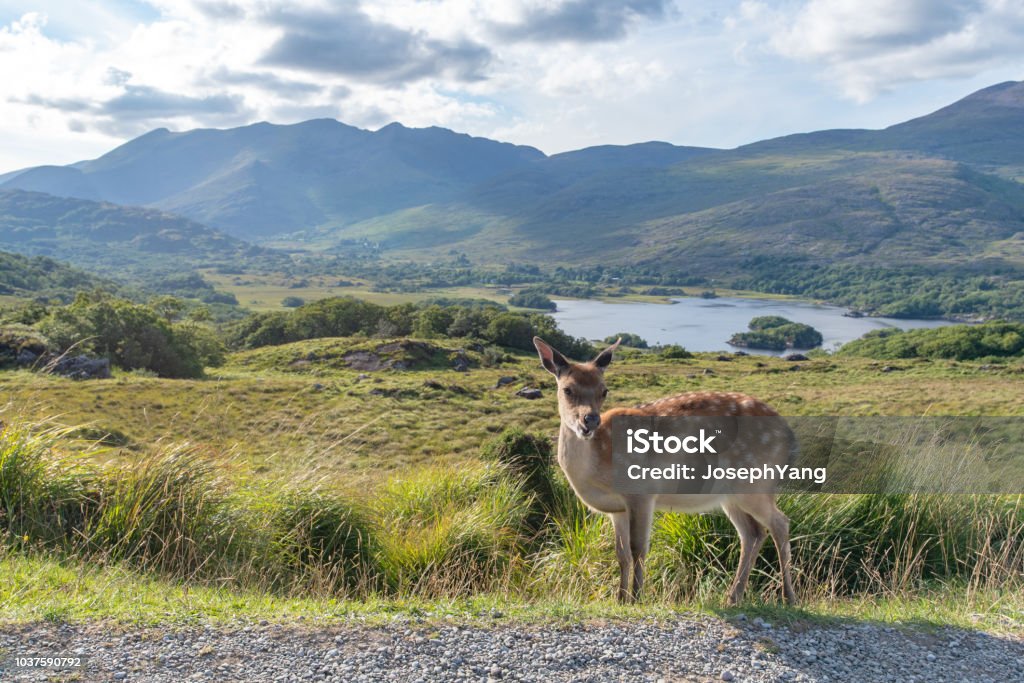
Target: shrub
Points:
(628, 339)
(529, 458)
(292, 301)
(673, 351)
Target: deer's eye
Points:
(604, 393)
(567, 391)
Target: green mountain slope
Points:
(39, 276)
(941, 189)
(109, 238)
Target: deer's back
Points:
(712, 403)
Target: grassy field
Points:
(274, 410)
(41, 588)
(282, 457)
(265, 291)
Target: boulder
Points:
(502, 381)
(81, 367)
(795, 357)
(529, 393)
(26, 357)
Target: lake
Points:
(706, 324)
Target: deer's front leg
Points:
(620, 522)
(641, 517)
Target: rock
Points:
(724, 358)
(708, 371)
(433, 384)
(794, 368)
(740, 354)
(727, 675)
(890, 368)
(529, 393)
(81, 367)
(795, 357)
(26, 357)
(502, 381)
(460, 363)
(363, 360)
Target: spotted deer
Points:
(585, 456)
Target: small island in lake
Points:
(775, 333)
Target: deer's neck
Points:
(572, 448)
(587, 465)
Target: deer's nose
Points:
(591, 420)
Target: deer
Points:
(585, 457)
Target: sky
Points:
(79, 78)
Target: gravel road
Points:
(690, 648)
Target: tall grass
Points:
(453, 531)
(503, 525)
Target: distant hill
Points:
(38, 276)
(105, 237)
(266, 179)
(941, 191)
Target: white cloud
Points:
(870, 46)
(553, 75)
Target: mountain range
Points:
(944, 189)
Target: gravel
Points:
(693, 648)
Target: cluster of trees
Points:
(347, 316)
(776, 333)
(959, 342)
(532, 298)
(910, 292)
(162, 336)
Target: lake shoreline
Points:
(708, 324)
(748, 294)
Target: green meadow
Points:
(286, 482)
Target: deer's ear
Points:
(605, 357)
(553, 361)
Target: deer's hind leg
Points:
(752, 536)
(763, 509)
